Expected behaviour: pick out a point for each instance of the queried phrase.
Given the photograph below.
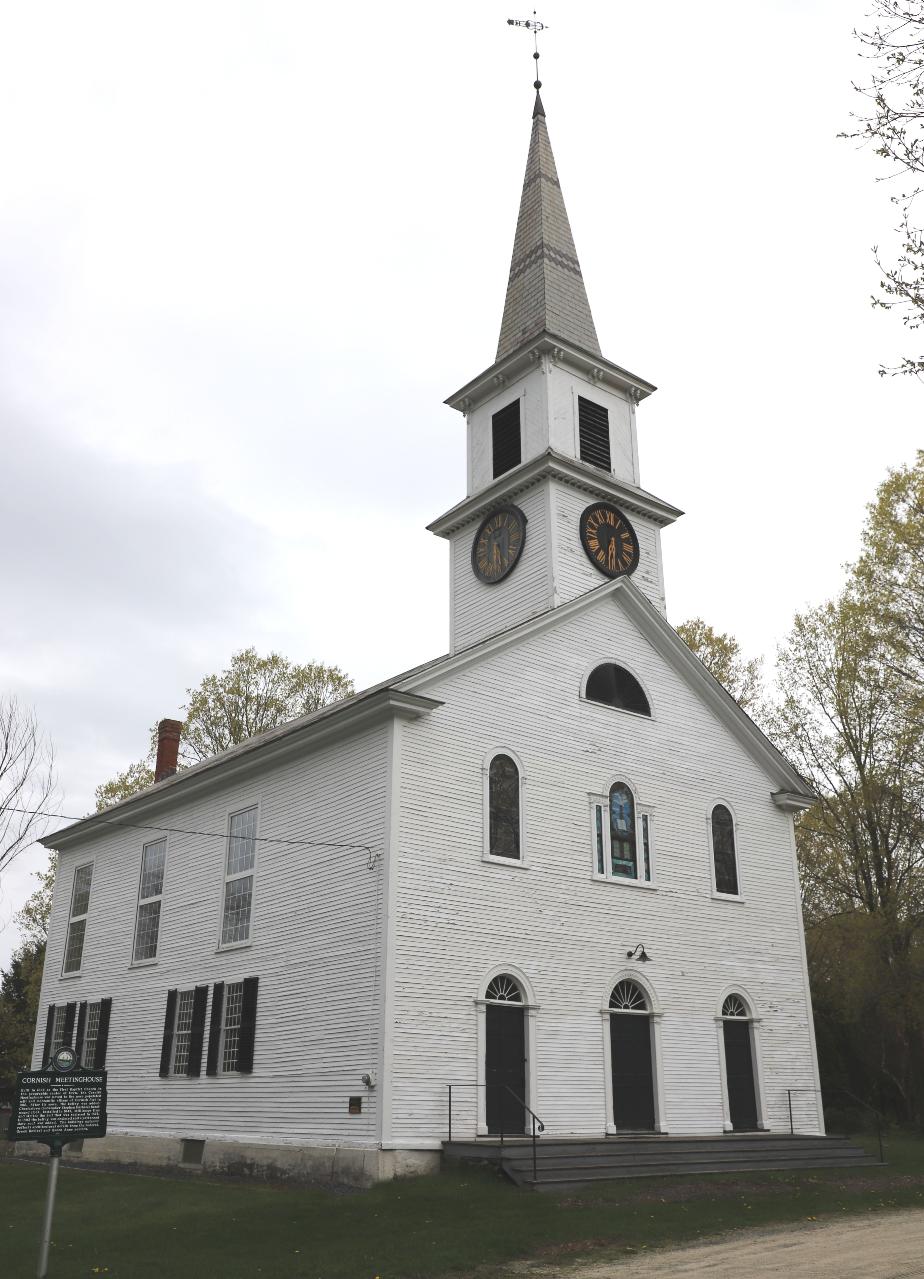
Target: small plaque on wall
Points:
(356, 1106)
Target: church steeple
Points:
(552, 441)
(545, 291)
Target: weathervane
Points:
(535, 26)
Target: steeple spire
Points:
(545, 291)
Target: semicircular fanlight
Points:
(734, 1006)
(504, 989)
(628, 998)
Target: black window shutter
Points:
(102, 1034)
(166, 1048)
(505, 438)
(81, 1025)
(594, 430)
(248, 1025)
(218, 1002)
(197, 1031)
(70, 1012)
(49, 1031)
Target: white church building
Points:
(554, 869)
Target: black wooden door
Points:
(739, 1076)
(505, 1063)
(633, 1086)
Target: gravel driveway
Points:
(886, 1245)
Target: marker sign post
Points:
(59, 1104)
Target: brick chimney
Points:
(168, 747)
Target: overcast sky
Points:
(247, 250)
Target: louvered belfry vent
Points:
(505, 437)
(594, 425)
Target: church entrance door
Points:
(739, 1076)
(505, 1068)
(633, 1086)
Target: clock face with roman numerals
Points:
(498, 544)
(609, 540)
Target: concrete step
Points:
(680, 1170)
(633, 1167)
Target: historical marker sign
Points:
(59, 1104)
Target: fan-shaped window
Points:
(734, 1006)
(614, 686)
(628, 998)
(504, 808)
(504, 989)
(723, 851)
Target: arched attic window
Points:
(504, 808)
(613, 685)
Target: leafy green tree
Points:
(19, 996)
(721, 655)
(849, 715)
(890, 573)
(891, 122)
(252, 695)
(35, 914)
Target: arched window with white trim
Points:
(621, 836)
(724, 853)
(504, 803)
(613, 685)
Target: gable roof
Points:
(402, 696)
(793, 791)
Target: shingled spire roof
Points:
(545, 292)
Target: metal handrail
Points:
(842, 1092)
(536, 1124)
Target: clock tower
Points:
(554, 507)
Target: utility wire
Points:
(180, 830)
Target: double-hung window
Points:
(182, 1032)
(239, 869)
(77, 921)
(233, 1027)
(150, 893)
(90, 1036)
(621, 836)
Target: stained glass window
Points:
(623, 858)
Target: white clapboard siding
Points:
(458, 917)
(316, 941)
(479, 610)
(574, 572)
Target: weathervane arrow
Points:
(535, 26)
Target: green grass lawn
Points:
(123, 1226)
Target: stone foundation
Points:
(310, 1165)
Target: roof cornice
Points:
(588, 479)
(794, 791)
(561, 351)
(342, 719)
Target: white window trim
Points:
(604, 706)
(754, 1021)
(189, 990)
(226, 878)
(486, 854)
(72, 918)
(145, 963)
(717, 896)
(531, 1009)
(221, 1073)
(641, 810)
(655, 1016)
(91, 1003)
